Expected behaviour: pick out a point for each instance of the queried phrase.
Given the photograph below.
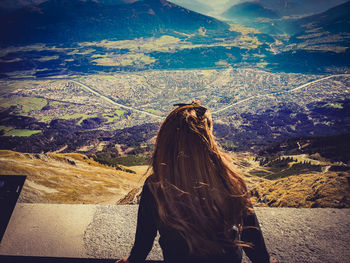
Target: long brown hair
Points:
(197, 192)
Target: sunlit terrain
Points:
(68, 178)
(81, 96)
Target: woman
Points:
(196, 201)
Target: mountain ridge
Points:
(334, 20)
(74, 21)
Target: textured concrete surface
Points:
(47, 230)
(101, 231)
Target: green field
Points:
(118, 115)
(80, 116)
(131, 160)
(23, 104)
(10, 131)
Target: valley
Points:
(120, 100)
(89, 82)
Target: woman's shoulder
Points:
(149, 180)
(147, 197)
(146, 189)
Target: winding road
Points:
(113, 102)
(214, 112)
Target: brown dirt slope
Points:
(67, 178)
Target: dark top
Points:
(174, 246)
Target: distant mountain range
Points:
(280, 7)
(299, 7)
(316, 41)
(335, 20)
(308, 44)
(75, 20)
(269, 16)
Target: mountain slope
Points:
(193, 5)
(307, 190)
(334, 20)
(67, 178)
(316, 42)
(299, 7)
(75, 20)
(255, 15)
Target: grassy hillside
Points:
(75, 178)
(308, 190)
(68, 178)
(296, 181)
(286, 182)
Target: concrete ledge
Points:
(107, 232)
(27, 259)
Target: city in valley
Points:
(129, 99)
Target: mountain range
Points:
(280, 7)
(299, 7)
(335, 20)
(317, 41)
(64, 21)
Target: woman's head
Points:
(196, 190)
(183, 138)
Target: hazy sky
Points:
(217, 6)
(216, 2)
